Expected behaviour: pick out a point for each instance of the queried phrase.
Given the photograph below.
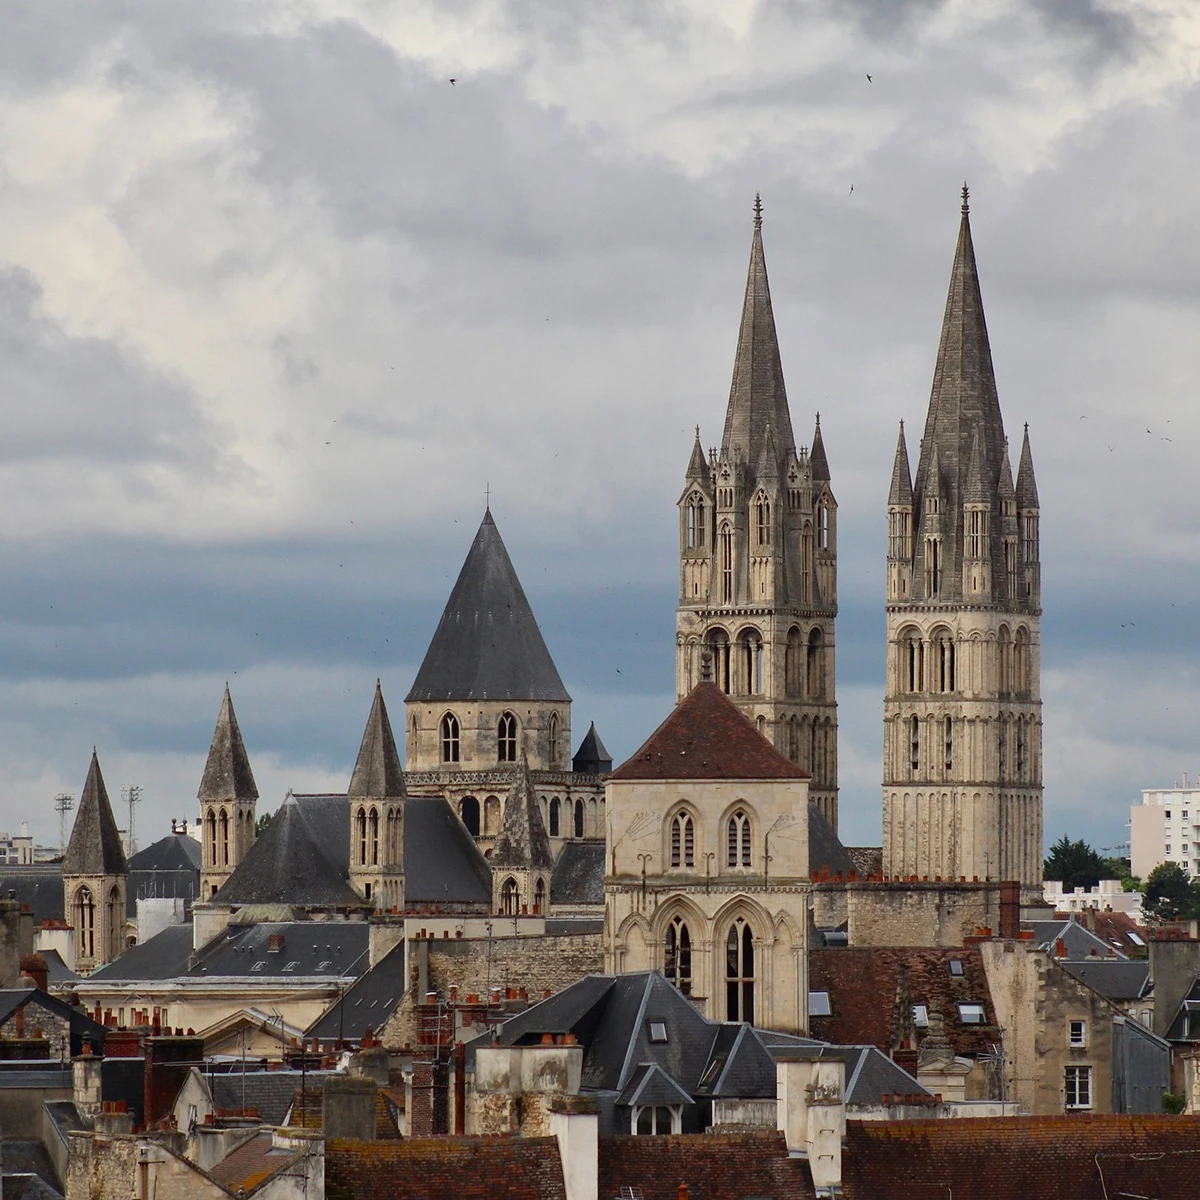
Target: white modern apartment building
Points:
(1165, 827)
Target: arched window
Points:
(948, 736)
(944, 662)
(1022, 751)
(491, 816)
(694, 516)
(1002, 747)
(677, 956)
(539, 896)
(793, 664)
(85, 923)
(210, 839)
(914, 744)
(806, 560)
(912, 662)
(1004, 652)
(739, 972)
(816, 665)
(683, 840)
(737, 839)
(115, 919)
(510, 898)
(553, 759)
(360, 822)
(506, 738)
(1021, 663)
(750, 669)
(823, 526)
(726, 565)
(450, 744)
(223, 822)
(762, 520)
(718, 642)
(579, 818)
(555, 816)
(468, 809)
(373, 822)
(933, 566)
(794, 739)
(1029, 537)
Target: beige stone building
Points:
(758, 558)
(962, 757)
(707, 877)
(228, 798)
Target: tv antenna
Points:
(131, 793)
(63, 803)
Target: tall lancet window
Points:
(726, 565)
(933, 566)
(506, 738)
(914, 744)
(823, 526)
(762, 520)
(1029, 536)
(949, 742)
(694, 520)
(450, 745)
(977, 532)
(85, 922)
(739, 972)
(677, 955)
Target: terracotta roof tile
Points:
(252, 1163)
(707, 737)
(1023, 1158)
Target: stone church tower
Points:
(962, 793)
(228, 798)
(758, 557)
(95, 875)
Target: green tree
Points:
(1170, 893)
(1075, 863)
(260, 826)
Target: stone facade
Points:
(228, 802)
(962, 750)
(758, 559)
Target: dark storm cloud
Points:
(70, 398)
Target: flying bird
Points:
(852, 189)
(869, 79)
(453, 82)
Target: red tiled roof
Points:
(251, 1163)
(1023, 1158)
(445, 1168)
(707, 737)
(715, 1166)
(862, 982)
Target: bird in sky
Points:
(869, 79)
(852, 189)
(453, 82)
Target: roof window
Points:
(658, 1031)
(818, 1004)
(970, 1014)
(258, 966)
(956, 967)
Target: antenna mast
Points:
(63, 803)
(132, 794)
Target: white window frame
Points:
(1075, 1096)
(1077, 1033)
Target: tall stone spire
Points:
(698, 470)
(901, 491)
(757, 396)
(95, 845)
(377, 770)
(816, 456)
(228, 797)
(1027, 495)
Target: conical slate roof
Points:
(95, 845)
(757, 396)
(377, 770)
(976, 489)
(698, 469)
(1027, 495)
(817, 457)
(591, 758)
(522, 841)
(767, 472)
(487, 645)
(901, 490)
(227, 774)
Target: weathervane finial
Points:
(757, 211)
(966, 196)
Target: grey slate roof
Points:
(816, 456)
(487, 645)
(825, 851)
(95, 845)
(227, 774)
(270, 1093)
(757, 396)
(40, 886)
(650, 1085)
(367, 1004)
(1114, 979)
(1078, 941)
(33, 1169)
(1027, 495)
(591, 758)
(901, 490)
(332, 949)
(578, 876)
(169, 867)
(164, 956)
(81, 1024)
(57, 971)
(442, 863)
(522, 841)
(377, 771)
(303, 858)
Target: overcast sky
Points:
(277, 300)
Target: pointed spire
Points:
(901, 492)
(757, 395)
(963, 402)
(1027, 496)
(1004, 485)
(227, 774)
(591, 758)
(523, 841)
(816, 456)
(767, 468)
(377, 771)
(95, 845)
(975, 487)
(934, 482)
(698, 470)
(487, 645)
